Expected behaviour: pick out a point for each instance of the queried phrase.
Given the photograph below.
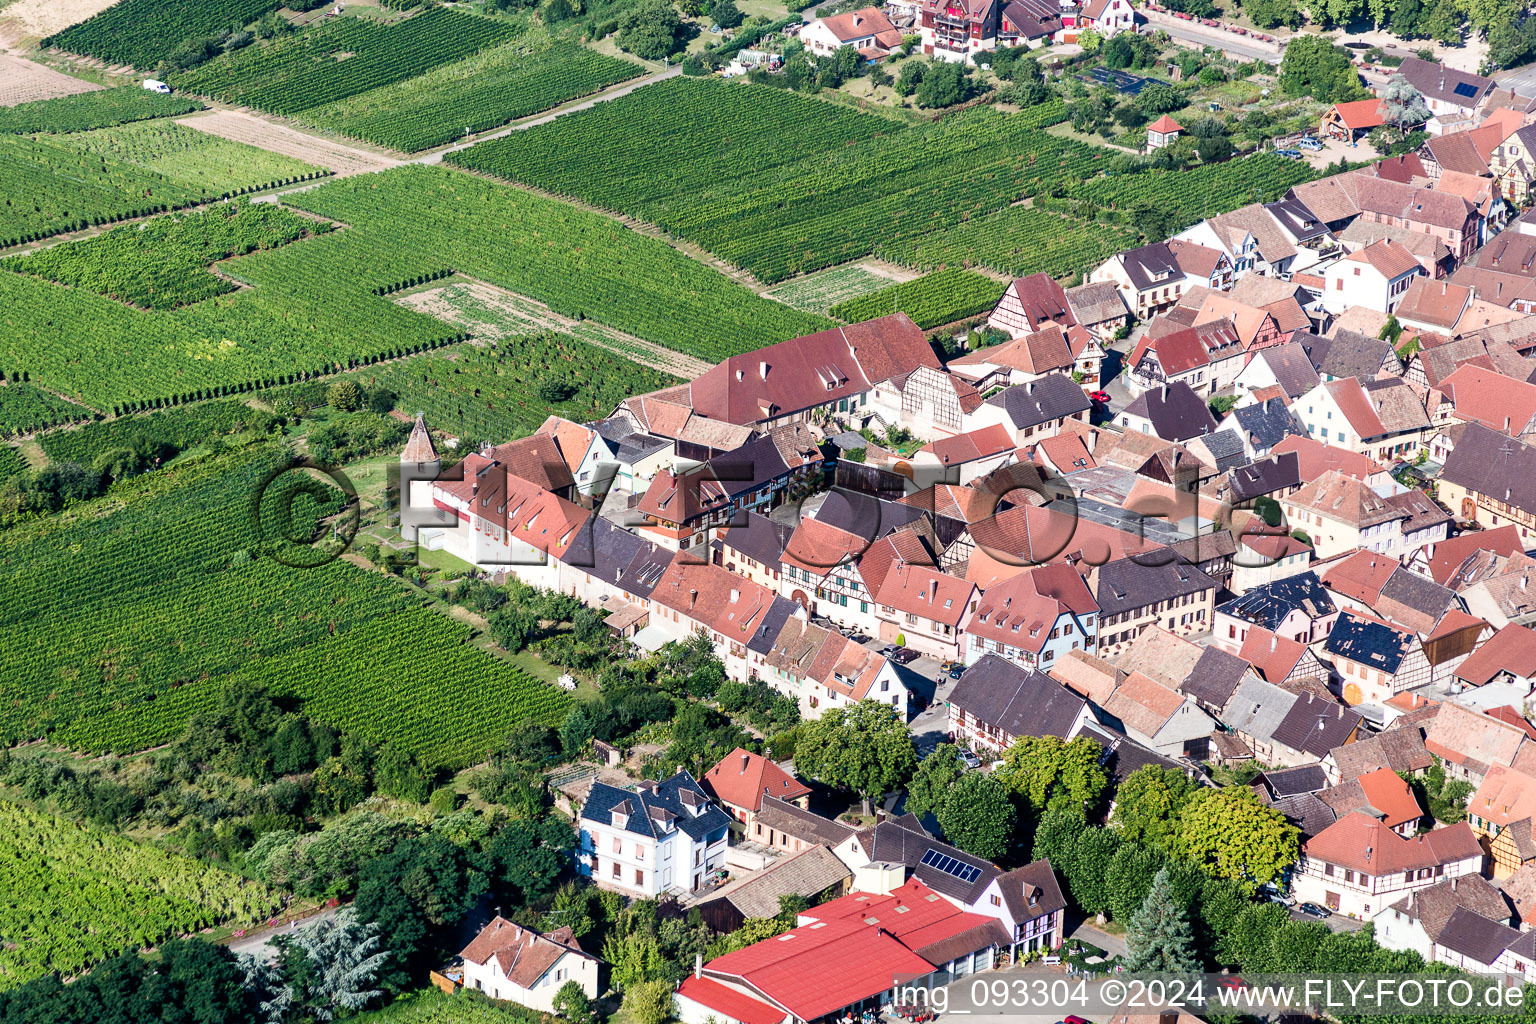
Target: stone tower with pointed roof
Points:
(419, 466)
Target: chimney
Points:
(1506, 424)
(735, 595)
(698, 965)
(741, 375)
(1443, 287)
(762, 369)
(1168, 1017)
(693, 598)
(1165, 392)
(1273, 642)
(746, 759)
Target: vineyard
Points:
(72, 895)
(11, 463)
(162, 263)
(493, 392)
(145, 32)
(158, 433)
(305, 70)
(778, 218)
(1017, 241)
(939, 298)
(70, 182)
(513, 80)
(581, 264)
(180, 597)
(24, 408)
(1198, 192)
(86, 111)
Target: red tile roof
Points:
(1273, 657)
(712, 595)
(1022, 611)
(1448, 556)
(728, 1002)
(1492, 399)
(925, 592)
(850, 950)
(805, 372)
(1164, 125)
(970, 446)
(1366, 844)
(1512, 649)
(742, 779)
(868, 21)
(1315, 458)
(1360, 115)
(1066, 452)
(1390, 795)
(1176, 353)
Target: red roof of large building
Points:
(1390, 795)
(742, 779)
(1448, 556)
(1315, 458)
(855, 947)
(805, 372)
(1367, 844)
(1273, 657)
(1021, 612)
(1512, 649)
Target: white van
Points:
(155, 85)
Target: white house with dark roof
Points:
(996, 702)
(660, 837)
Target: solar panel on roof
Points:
(950, 866)
(1463, 89)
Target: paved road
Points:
(1199, 35)
(1521, 80)
(260, 945)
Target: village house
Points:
(1151, 279)
(513, 962)
(813, 874)
(1375, 277)
(1501, 672)
(1446, 90)
(660, 837)
(1286, 728)
(867, 30)
(1352, 120)
(1358, 865)
(1284, 366)
(1159, 718)
(1035, 410)
(1500, 812)
(1099, 308)
(739, 781)
(1341, 514)
(1418, 920)
(1298, 607)
(822, 669)
(1282, 660)
(1133, 597)
(1469, 742)
(1382, 418)
(1034, 618)
(997, 701)
(1172, 412)
(1490, 479)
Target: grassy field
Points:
(939, 298)
(818, 293)
(1017, 241)
(206, 163)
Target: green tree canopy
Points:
(978, 816)
(1148, 804)
(651, 30)
(1233, 835)
(1048, 771)
(865, 748)
(936, 775)
(1313, 66)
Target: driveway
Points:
(1200, 36)
(260, 945)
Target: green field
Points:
(180, 595)
(312, 306)
(163, 263)
(783, 184)
(75, 895)
(69, 182)
(86, 111)
(939, 298)
(1198, 192)
(145, 32)
(25, 408)
(513, 80)
(434, 1007)
(305, 69)
(1016, 241)
(817, 293)
(158, 434)
(492, 393)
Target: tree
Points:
(529, 855)
(651, 30)
(936, 775)
(1084, 868)
(1214, 149)
(572, 1004)
(332, 965)
(1314, 66)
(573, 909)
(1089, 40)
(1148, 804)
(726, 14)
(1402, 105)
(1058, 831)
(398, 774)
(978, 817)
(945, 84)
(1233, 835)
(649, 1002)
(1128, 878)
(344, 396)
(554, 390)
(1159, 99)
(1049, 771)
(1158, 937)
(421, 888)
(865, 748)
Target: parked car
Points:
(956, 671)
(1274, 894)
(1289, 154)
(1102, 397)
(903, 656)
(889, 650)
(1313, 910)
(1075, 1019)
(969, 759)
(1310, 143)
